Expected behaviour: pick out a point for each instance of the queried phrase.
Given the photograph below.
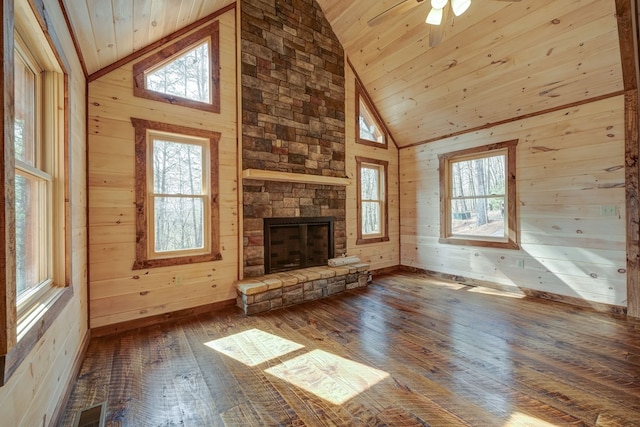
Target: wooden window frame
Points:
(382, 166)
(510, 241)
(362, 95)
(145, 257)
(210, 34)
(21, 330)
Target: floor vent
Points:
(93, 416)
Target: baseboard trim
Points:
(160, 318)
(533, 293)
(385, 270)
(56, 417)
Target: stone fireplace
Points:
(293, 122)
(293, 243)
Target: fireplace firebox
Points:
(293, 243)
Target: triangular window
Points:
(368, 126)
(183, 73)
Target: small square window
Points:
(477, 196)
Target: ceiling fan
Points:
(440, 16)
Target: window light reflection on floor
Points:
(519, 419)
(253, 347)
(330, 377)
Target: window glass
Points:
(186, 76)
(178, 174)
(478, 197)
(25, 109)
(371, 200)
(369, 128)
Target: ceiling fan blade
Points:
(395, 10)
(437, 32)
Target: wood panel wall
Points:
(570, 171)
(382, 254)
(37, 388)
(118, 293)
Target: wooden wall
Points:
(378, 255)
(38, 386)
(570, 168)
(118, 293)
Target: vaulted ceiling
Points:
(498, 61)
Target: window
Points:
(184, 73)
(478, 196)
(176, 194)
(372, 203)
(369, 129)
(39, 177)
(35, 243)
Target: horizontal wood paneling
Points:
(569, 245)
(119, 294)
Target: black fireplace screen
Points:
(292, 243)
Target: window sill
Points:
(366, 240)
(31, 329)
(501, 244)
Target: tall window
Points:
(369, 129)
(477, 193)
(176, 194)
(39, 177)
(184, 73)
(372, 203)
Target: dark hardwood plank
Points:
(454, 355)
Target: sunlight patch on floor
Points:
(496, 292)
(253, 347)
(519, 419)
(330, 377)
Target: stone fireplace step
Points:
(264, 293)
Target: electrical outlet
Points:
(520, 262)
(179, 280)
(608, 210)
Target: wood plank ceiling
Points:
(498, 61)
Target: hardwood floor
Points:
(407, 351)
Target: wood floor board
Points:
(409, 350)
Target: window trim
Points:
(445, 161)
(382, 165)
(205, 194)
(361, 94)
(143, 260)
(19, 335)
(208, 33)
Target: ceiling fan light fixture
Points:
(434, 17)
(460, 6)
(438, 4)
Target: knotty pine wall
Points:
(37, 389)
(118, 293)
(570, 163)
(378, 255)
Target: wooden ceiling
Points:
(500, 60)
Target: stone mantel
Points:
(266, 175)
